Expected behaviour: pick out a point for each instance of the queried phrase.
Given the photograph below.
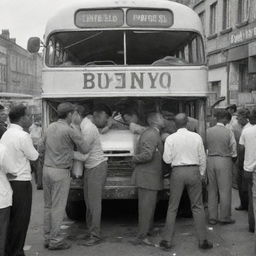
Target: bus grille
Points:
(120, 166)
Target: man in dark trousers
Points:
(221, 145)
(247, 148)
(184, 151)
(148, 174)
(59, 141)
(20, 148)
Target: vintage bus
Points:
(147, 52)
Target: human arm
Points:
(168, 152)
(148, 146)
(79, 141)
(241, 151)
(79, 156)
(202, 158)
(136, 128)
(233, 145)
(27, 148)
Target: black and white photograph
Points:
(127, 127)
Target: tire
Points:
(76, 210)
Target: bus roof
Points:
(184, 18)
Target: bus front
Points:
(124, 51)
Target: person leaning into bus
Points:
(59, 141)
(184, 150)
(221, 145)
(148, 175)
(95, 170)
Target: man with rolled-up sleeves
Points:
(59, 141)
(20, 149)
(222, 149)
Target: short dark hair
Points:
(252, 117)
(244, 112)
(233, 106)
(129, 111)
(102, 108)
(17, 112)
(1, 107)
(83, 110)
(222, 114)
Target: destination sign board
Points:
(109, 81)
(99, 18)
(149, 18)
(127, 80)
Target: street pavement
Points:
(119, 228)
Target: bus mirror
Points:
(33, 44)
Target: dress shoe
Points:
(205, 245)
(59, 246)
(241, 208)
(251, 230)
(92, 240)
(227, 222)
(165, 245)
(141, 241)
(46, 244)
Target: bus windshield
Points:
(118, 47)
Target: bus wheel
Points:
(76, 210)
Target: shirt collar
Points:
(182, 129)
(62, 121)
(220, 124)
(16, 126)
(156, 129)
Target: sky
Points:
(27, 18)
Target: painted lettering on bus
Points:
(131, 80)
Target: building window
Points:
(226, 15)
(213, 15)
(243, 10)
(3, 71)
(243, 77)
(202, 18)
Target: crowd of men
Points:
(73, 141)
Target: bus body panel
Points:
(128, 81)
(184, 18)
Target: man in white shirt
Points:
(20, 148)
(184, 151)
(6, 168)
(247, 148)
(95, 171)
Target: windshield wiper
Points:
(83, 40)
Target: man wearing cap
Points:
(59, 141)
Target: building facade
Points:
(230, 29)
(20, 71)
